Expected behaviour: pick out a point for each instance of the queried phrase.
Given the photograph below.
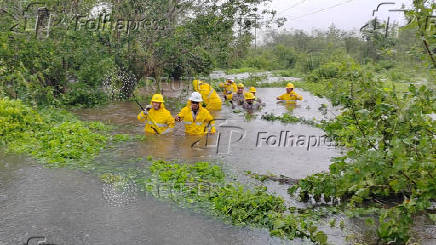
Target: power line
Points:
(321, 10)
(293, 6)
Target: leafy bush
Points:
(286, 56)
(17, 119)
(41, 72)
(384, 65)
(82, 94)
(397, 75)
(264, 61)
(56, 138)
(308, 62)
(389, 136)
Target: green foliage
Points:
(182, 173)
(398, 75)
(84, 95)
(40, 72)
(70, 64)
(246, 206)
(326, 71)
(17, 119)
(390, 140)
(49, 137)
(204, 184)
(288, 118)
(320, 50)
(419, 18)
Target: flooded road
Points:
(73, 207)
(68, 207)
(244, 143)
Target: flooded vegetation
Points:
(250, 154)
(220, 123)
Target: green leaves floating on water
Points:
(204, 184)
(288, 118)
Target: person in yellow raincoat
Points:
(250, 103)
(158, 120)
(196, 118)
(238, 97)
(210, 97)
(229, 88)
(253, 91)
(290, 94)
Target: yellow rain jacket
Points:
(291, 96)
(210, 97)
(229, 89)
(199, 126)
(161, 120)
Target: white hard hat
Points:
(196, 97)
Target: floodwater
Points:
(72, 207)
(244, 143)
(68, 207)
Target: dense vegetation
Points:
(397, 53)
(68, 57)
(54, 137)
(389, 168)
(387, 128)
(385, 83)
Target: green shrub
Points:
(389, 137)
(82, 94)
(56, 138)
(17, 119)
(37, 71)
(384, 65)
(286, 56)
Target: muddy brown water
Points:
(72, 207)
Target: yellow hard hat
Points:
(290, 85)
(252, 90)
(240, 85)
(157, 98)
(221, 85)
(249, 96)
(195, 84)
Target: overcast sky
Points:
(345, 14)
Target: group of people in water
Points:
(196, 114)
